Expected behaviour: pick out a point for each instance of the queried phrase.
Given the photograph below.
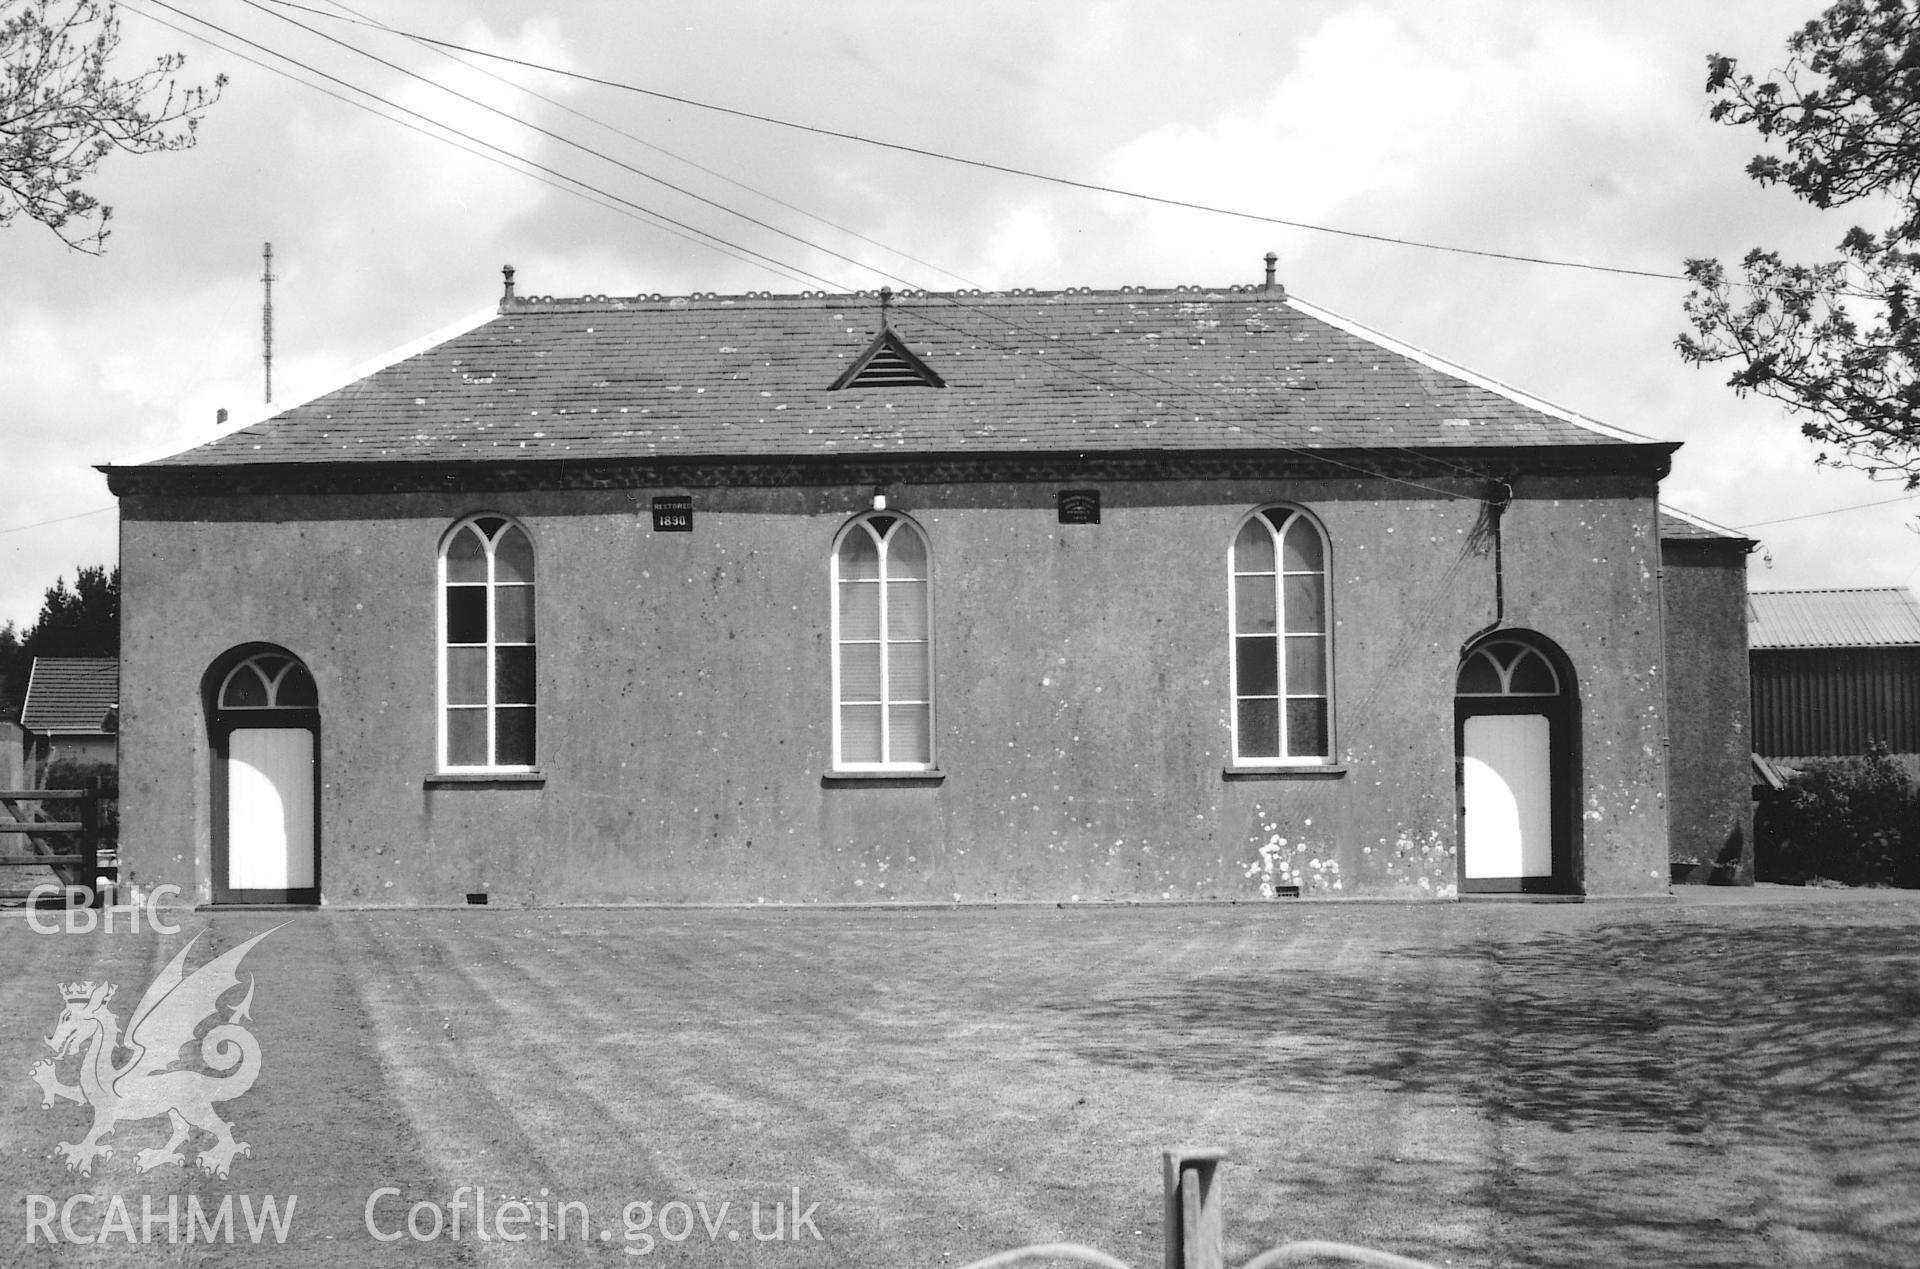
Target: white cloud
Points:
(1023, 245)
(500, 120)
(1389, 121)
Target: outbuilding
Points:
(70, 714)
(1709, 699)
(1835, 669)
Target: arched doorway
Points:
(1513, 735)
(263, 721)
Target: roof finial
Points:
(506, 273)
(1272, 260)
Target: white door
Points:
(1508, 795)
(270, 808)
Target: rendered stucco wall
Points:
(1081, 693)
(1709, 703)
(13, 746)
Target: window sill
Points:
(492, 779)
(1323, 771)
(909, 779)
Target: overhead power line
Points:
(987, 165)
(677, 157)
(581, 146)
(631, 211)
(1830, 511)
(705, 234)
(41, 524)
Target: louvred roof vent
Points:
(888, 363)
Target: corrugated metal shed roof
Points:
(72, 695)
(604, 378)
(1855, 617)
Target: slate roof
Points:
(751, 376)
(71, 695)
(1682, 526)
(1857, 617)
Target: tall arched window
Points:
(487, 689)
(1282, 666)
(882, 652)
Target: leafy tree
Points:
(13, 679)
(62, 112)
(1837, 341)
(81, 622)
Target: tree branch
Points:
(62, 113)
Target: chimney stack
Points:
(1272, 260)
(506, 272)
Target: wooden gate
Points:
(69, 845)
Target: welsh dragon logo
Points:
(152, 1081)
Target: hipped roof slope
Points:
(751, 376)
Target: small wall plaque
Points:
(673, 515)
(1079, 506)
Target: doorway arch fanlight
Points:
(268, 680)
(263, 724)
(1514, 707)
(1507, 667)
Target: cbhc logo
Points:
(81, 917)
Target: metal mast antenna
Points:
(266, 319)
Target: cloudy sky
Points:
(1565, 130)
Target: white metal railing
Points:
(1194, 1229)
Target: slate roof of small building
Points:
(1854, 617)
(1684, 526)
(71, 695)
(604, 378)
